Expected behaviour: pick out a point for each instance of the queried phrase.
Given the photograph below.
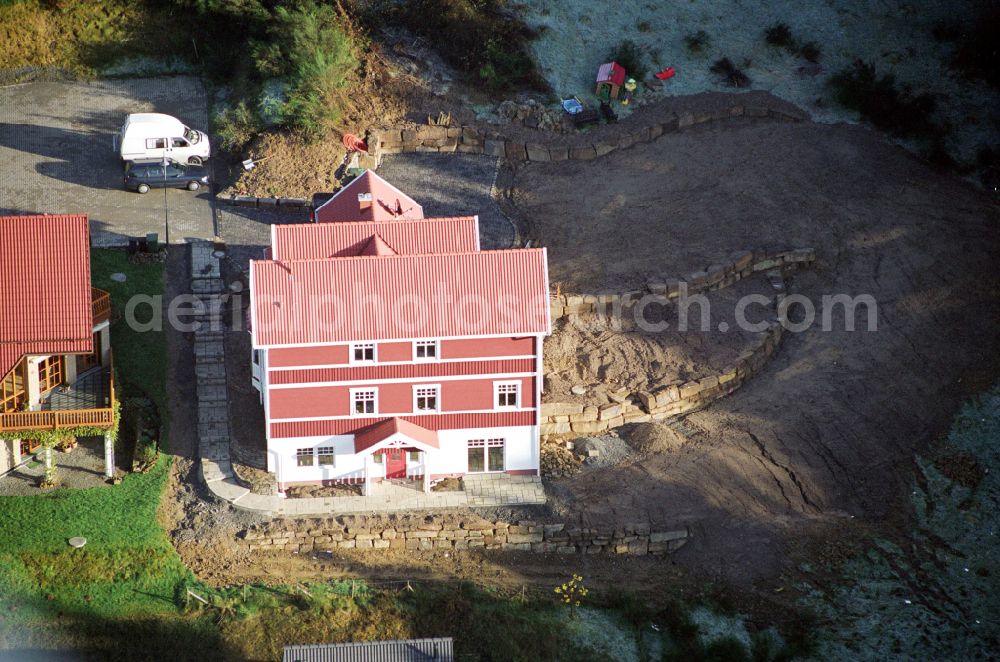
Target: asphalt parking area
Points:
(57, 156)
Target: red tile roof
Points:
(307, 241)
(45, 300)
(381, 431)
(482, 293)
(369, 198)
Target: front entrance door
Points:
(395, 463)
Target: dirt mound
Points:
(649, 438)
(591, 353)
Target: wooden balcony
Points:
(96, 386)
(101, 303)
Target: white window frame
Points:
(497, 386)
(363, 346)
(326, 450)
(305, 452)
(485, 445)
(437, 398)
(357, 391)
(436, 344)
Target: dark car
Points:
(141, 177)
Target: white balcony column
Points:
(31, 377)
(425, 456)
(369, 463)
(109, 456)
(69, 369)
(105, 349)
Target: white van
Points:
(157, 136)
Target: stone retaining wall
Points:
(456, 532)
(672, 397)
(714, 277)
(476, 140)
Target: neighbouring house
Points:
(55, 350)
(439, 649)
(396, 349)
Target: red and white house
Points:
(395, 348)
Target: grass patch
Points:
(482, 38)
(81, 36)
(140, 358)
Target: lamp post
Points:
(166, 210)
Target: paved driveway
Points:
(56, 156)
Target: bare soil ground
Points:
(591, 352)
(829, 429)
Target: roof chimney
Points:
(365, 200)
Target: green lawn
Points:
(128, 569)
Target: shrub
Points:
(881, 102)
(321, 59)
(630, 56)
(810, 51)
(729, 73)
(779, 35)
(697, 42)
(236, 126)
(977, 51)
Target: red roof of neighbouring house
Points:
(382, 430)
(45, 300)
(481, 293)
(612, 72)
(368, 198)
(307, 241)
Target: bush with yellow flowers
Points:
(572, 593)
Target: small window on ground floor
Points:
(325, 455)
(486, 455)
(304, 457)
(414, 456)
(379, 458)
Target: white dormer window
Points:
(363, 352)
(507, 395)
(426, 398)
(425, 350)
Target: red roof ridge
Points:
(427, 256)
(376, 246)
(429, 219)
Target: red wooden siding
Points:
(440, 422)
(480, 347)
(428, 370)
(293, 356)
(394, 351)
(456, 396)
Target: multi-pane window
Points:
(425, 350)
(379, 458)
(486, 455)
(363, 401)
(50, 373)
(425, 398)
(363, 352)
(414, 456)
(507, 394)
(325, 455)
(304, 457)
(12, 391)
